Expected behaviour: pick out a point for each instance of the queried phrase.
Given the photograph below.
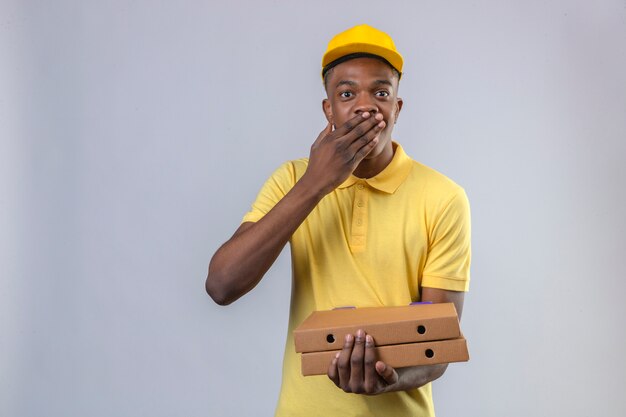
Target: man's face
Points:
(360, 85)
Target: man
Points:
(367, 225)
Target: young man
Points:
(367, 225)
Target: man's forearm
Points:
(416, 376)
(242, 261)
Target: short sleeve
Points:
(274, 189)
(447, 265)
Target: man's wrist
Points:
(417, 376)
(310, 189)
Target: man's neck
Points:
(369, 168)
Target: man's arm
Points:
(356, 370)
(416, 376)
(240, 263)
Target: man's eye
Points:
(382, 94)
(345, 94)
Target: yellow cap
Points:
(363, 38)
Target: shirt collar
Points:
(390, 178)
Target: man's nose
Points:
(365, 104)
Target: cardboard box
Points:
(326, 330)
(397, 356)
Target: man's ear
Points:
(328, 112)
(399, 103)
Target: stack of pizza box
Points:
(417, 334)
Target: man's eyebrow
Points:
(354, 84)
(346, 82)
(382, 82)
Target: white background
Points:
(135, 134)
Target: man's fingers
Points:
(343, 362)
(387, 373)
(356, 362)
(357, 127)
(352, 123)
(333, 372)
(370, 384)
(365, 132)
(365, 144)
(372, 124)
(355, 136)
(325, 132)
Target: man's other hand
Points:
(356, 370)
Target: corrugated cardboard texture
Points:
(326, 330)
(397, 356)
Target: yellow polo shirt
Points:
(370, 242)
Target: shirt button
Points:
(359, 222)
(360, 186)
(360, 204)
